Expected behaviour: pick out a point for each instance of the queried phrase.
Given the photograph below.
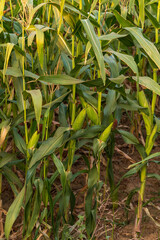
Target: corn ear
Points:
(78, 123)
(33, 141)
(104, 136)
(92, 114)
(143, 100)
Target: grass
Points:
(65, 71)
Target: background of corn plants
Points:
(69, 72)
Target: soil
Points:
(122, 229)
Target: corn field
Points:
(70, 72)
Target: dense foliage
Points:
(69, 70)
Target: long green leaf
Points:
(129, 60)
(16, 72)
(152, 19)
(48, 146)
(122, 21)
(95, 45)
(111, 36)
(59, 79)
(13, 212)
(147, 45)
(149, 83)
(36, 208)
(6, 158)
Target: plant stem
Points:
(99, 107)
(24, 86)
(74, 86)
(154, 94)
(1, 219)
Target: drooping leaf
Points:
(152, 19)
(149, 83)
(111, 36)
(16, 72)
(128, 137)
(48, 147)
(37, 102)
(7, 56)
(147, 45)
(122, 21)
(11, 176)
(154, 155)
(129, 60)
(6, 158)
(59, 79)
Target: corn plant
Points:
(64, 66)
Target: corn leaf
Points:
(37, 102)
(1, 8)
(128, 137)
(111, 36)
(147, 45)
(6, 158)
(13, 212)
(7, 56)
(40, 45)
(152, 19)
(129, 60)
(61, 15)
(64, 46)
(122, 21)
(48, 147)
(96, 46)
(59, 79)
(149, 83)
(36, 208)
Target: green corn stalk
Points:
(24, 85)
(74, 86)
(1, 205)
(151, 131)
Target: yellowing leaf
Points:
(40, 45)
(2, 3)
